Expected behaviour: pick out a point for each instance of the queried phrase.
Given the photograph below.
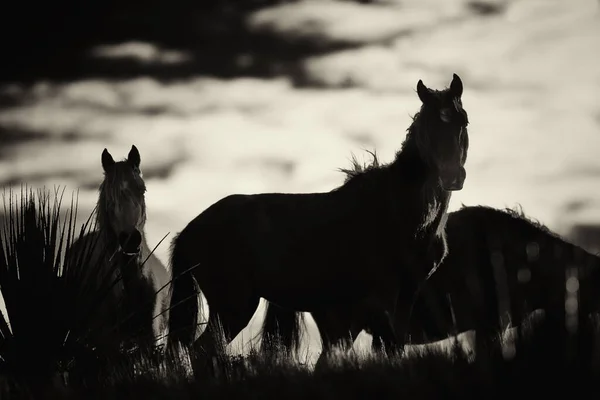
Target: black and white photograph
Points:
(300, 199)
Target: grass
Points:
(536, 369)
(47, 350)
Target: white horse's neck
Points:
(147, 251)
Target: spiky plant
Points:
(51, 292)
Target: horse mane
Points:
(359, 171)
(517, 213)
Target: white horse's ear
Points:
(134, 157)
(107, 160)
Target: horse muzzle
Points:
(454, 182)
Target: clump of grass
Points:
(51, 292)
(33, 335)
(538, 366)
(544, 360)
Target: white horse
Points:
(121, 209)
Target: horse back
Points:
(277, 218)
(302, 238)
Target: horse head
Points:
(121, 205)
(442, 137)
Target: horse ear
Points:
(134, 156)
(456, 86)
(107, 160)
(423, 92)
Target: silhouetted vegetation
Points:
(54, 295)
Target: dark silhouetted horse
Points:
(501, 266)
(301, 251)
(120, 212)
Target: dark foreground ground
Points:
(543, 364)
(48, 353)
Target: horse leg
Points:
(488, 340)
(160, 279)
(336, 329)
(207, 346)
(225, 322)
(488, 335)
(161, 315)
(380, 318)
(385, 341)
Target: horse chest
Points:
(441, 227)
(435, 213)
(431, 214)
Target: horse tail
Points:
(184, 307)
(281, 329)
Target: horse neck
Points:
(410, 165)
(412, 173)
(146, 251)
(145, 248)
